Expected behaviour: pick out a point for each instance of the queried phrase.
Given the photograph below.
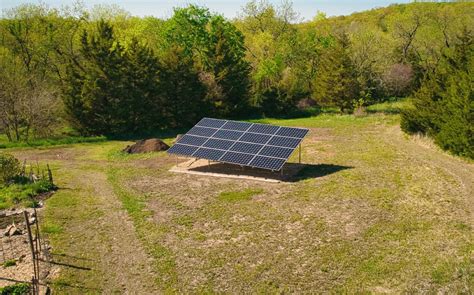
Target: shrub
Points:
(17, 289)
(9, 167)
(9, 263)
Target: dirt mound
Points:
(147, 146)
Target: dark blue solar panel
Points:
(266, 146)
(255, 138)
(263, 128)
(248, 148)
(202, 131)
(210, 154)
(277, 152)
(284, 141)
(292, 132)
(228, 134)
(180, 149)
(236, 158)
(209, 122)
(192, 140)
(234, 125)
(267, 163)
(218, 144)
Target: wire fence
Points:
(25, 231)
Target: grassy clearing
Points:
(390, 107)
(375, 212)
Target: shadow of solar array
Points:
(242, 143)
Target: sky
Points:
(231, 8)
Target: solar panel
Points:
(292, 132)
(202, 131)
(264, 129)
(247, 144)
(192, 140)
(236, 158)
(255, 137)
(228, 134)
(210, 154)
(267, 163)
(220, 144)
(234, 125)
(282, 141)
(209, 122)
(245, 147)
(276, 152)
(181, 149)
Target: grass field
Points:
(374, 211)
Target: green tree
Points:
(444, 104)
(181, 92)
(217, 49)
(112, 90)
(273, 51)
(336, 82)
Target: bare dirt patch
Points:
(215, 169)
(15, 253)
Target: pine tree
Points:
(182, 95)
(229, 68)
(443, 107)
(336, 81)
(93, 89)
(141, 105)
(112, 90)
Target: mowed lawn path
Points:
(374, 211)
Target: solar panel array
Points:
(242, 143)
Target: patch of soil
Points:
(147, 146)
(15, 250)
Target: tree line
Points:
(102, 71)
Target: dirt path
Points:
(99, 250)
(124, 261)
(428, 154)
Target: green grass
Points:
(235, 196)
(18, 194)
(390, 107)
(4, 143)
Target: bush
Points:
(9, 167)
(9, 263)
(17, 289)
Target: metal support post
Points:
(300, 153)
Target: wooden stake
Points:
(37, 230)
(50, 174)
(32, 247)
